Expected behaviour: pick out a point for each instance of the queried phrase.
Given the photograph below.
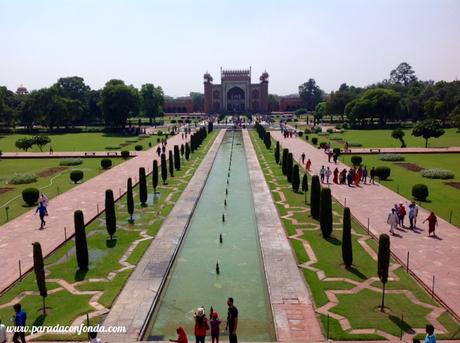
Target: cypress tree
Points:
(290, 165)
(130, 199)
(164, 169)
(110, 217)
(143, 193)
(187, 151)
(383, 263)
(314, 197)
(325, 212)
(171, 163)
(277, 152)
(39, 268)
(176, 157)
(268, 140)
(295, 178)
(305, 186)
(284, 161)
(182, 150)
(155, 176)
(347, 249)
(81, 247)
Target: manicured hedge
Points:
(125, 154)
(391, 157)
(30, 196)
(438, 173)
(382, 173)
(138, 147)
(70, 161)
(76, 175)
(420, 191)
(106, 163)
(23, 178)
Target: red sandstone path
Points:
(17, 235)
(453, 149)
(428, 256)
(61, 154)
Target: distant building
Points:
(236, 94)
(290, 103)
(22, 90)
(178, 105)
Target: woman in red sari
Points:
(308, 165)
(181, 336)
(432, 222)
(336, 176)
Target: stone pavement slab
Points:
(17, 235)
(293, 313)
(437, 258)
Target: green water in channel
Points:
(193, 281)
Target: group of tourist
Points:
(353, 176)
(398, 213)
(202, 325)
(42, 210)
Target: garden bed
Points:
(51, 171)
(453, 184)
(6, 189)
(410, 166)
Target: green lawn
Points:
(52, 182)
(383, 139)
(86, 141)
(104, 255)
(442, 199)
(360, 308)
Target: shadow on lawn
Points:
(111, 243)
(356, 271)
(404, 326)
(333, 240)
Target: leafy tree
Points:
(295, 178)
(155, 176)
(315, 197)
(143, 194)
(77, 93)
(130, 199)
(171, 163)
(284, 161)
(198, 101)
(187, 151)
(39, 269)
(152, 98)
(383, 263)
(176, 157)
(24, 143)
(403, 74)
(41, 141)
(320, 111)
(311, 94)
(94, 105)
(325, 212)
(427, 129)
(305, 186)
(399, 134)
(164, 168)
(81, 246)
(384, 103)
(347, 248)
(289, 167)
(277, 152)
(118, 102)
(110, 216)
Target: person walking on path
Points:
(322, 173)
(303, 158)
(343, 176)
(430, 336)
(412, 215)
(232, 321)
(336, 175)
(308, 165)
(51, 150)
(416, 213)
(42, 212)
(364, 179)
(158, 151)
(201, 325)
(329, 155)
(432, 222)
(328, 174)
(350, 177)
(372, 174)
(2, 332)
(215, 327)
(19, 320)
(359, 176)
(402, 213)
(44, 200)
(181, 336)
(392, 221)
(335, 157)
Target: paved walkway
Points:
(64, 154)
(430, 258)
(293, 313)
(17, 235)
(453, 149)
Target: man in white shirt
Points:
(2, 332)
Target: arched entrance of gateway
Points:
(235, 100)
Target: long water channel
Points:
(193, 280)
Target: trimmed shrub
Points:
(110, 216)
(391, 157)
(30, 196)
(130, 199)
(438, 173)
(277, 152)
(284, 161)
(81, 246)
(142, 187)
(325, 213)
(176, 157)
(289, 167)
(70, 162)
(125, 154)
(106, 163)
(354, 145)
(23, 178)
(356, 160)
(295, 178)
(306, 137)
(300, 133)
(382, 172)
(112, 147)
(383, 263)
(164, 167)
(314, 196)
(139, 147)
(76, 175)
(314, 140)
(155, 176)
(347, 248)
(420, 191)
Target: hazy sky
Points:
(173, 42)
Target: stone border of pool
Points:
(137, 300)
(293, 313)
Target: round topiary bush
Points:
(307, 131)
(314, 140)
(382, 172)
(420, 191)
(306, 137)
(391, 157)
(106, 163)
(356, 160)
(23, 178)
(76, 175)
(112, 147)
(30, 196)
(125, 154)
(70, 161)
(438, 173)
(138, 147)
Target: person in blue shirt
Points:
(42, 212)
(430, 336)
(19, 321)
